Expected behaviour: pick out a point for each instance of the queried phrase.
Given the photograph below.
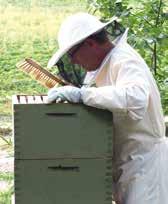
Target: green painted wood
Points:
(61, 131)
(62, 181)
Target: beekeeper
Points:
(123, 85)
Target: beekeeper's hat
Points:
(73, 30)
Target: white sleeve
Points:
(130, 93)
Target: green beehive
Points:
(63, 153)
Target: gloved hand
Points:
(69, 93)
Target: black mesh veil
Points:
(73, 74)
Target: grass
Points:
(5, 196)
(28, 29)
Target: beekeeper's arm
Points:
(130, 93)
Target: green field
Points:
(28, 28)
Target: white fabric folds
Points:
(125, 86)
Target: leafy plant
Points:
(147, 20)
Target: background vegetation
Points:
(148, 24)
(28, 28)
(5, 196)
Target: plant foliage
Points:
(147, 21)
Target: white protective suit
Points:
(126, 87)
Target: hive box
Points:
(63, 154)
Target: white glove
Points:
(69, 93)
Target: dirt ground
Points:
(6, 149)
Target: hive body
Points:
(63, 154)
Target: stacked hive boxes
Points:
(63, 154)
